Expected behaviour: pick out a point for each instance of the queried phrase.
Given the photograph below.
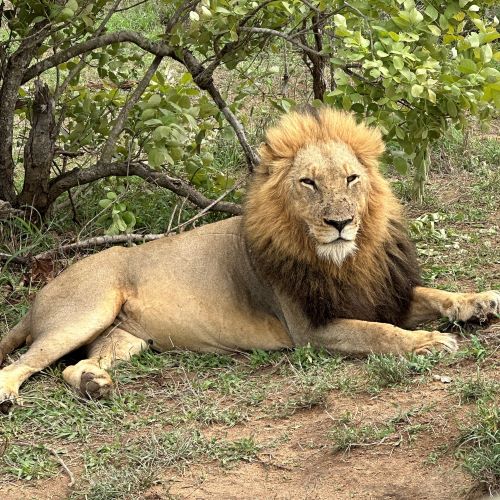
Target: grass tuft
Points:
(387, 370)
(479, 446)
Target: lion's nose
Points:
(338, 224)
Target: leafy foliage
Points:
(414, 69)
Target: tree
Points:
(414, 69)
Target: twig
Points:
(123, 9)
(99, 241)
(207, 208)
(172, 215)
(49, 449)
(268, 31)
(311, 6)
(63, 465)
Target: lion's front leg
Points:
(365, 337)
(429, 304)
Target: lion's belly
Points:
(198, 292)
(206, 326)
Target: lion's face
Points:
(329, 189)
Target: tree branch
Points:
(109, 147)
(205, 82)
(156, 48)
(268, 31)
(113, 239)
(77, 177)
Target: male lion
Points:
(321, 256)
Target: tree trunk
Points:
(39, 151)
(8, 97)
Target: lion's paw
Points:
(475, 306)
(7, 400)
(96, 385)
(426, 342)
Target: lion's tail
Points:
(15, 337)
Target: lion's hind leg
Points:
(89, 376)
(58, 327)
(15, 338)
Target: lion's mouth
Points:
(337, 241)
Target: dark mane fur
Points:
(323, 297)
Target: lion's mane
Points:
(375, 283)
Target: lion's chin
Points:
(336, 251)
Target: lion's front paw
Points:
(426, 342)
(475, 306)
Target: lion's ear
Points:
(367, 144)
(266, 156)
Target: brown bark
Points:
(8, 97)
(13, 72)
(77, 177)
(39, 151)
(318, 61)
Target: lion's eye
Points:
(308, 182)
(352, 178)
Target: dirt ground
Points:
(297, 460)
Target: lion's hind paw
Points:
(96, 386)
(7, 401)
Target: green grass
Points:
(122, 469)
(144, 18)
(385, 370)
(476, 389)
(347, 434)
(479, 446)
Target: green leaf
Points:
(186, 78)
(72, 4)
(415, 16)
(147, 114)
(467, 66)
(434, 29)
(451, 108)
(340, 20)
(129, 219)
(105, 203)
(401, 165)
(416, 90)
(486, 53)
(156, 157)
(398, 62)
(162, 132)
(154, 100)
(431, 12)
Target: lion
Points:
(321, 256)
